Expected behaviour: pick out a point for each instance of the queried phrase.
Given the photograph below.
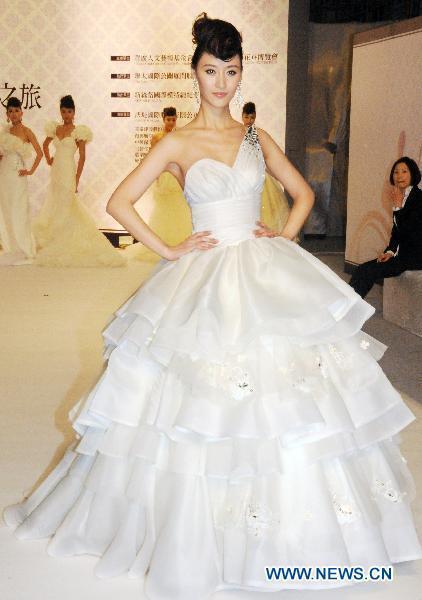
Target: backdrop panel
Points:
(385, 123)
(128, 59)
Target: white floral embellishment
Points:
(239, 382)
(339, 357)
(321, 366)
(346, 510)
(301, 383)
(233, 379)
(259, 519)
(364, 344)
(291, 373)
(286, 369)
(386, 489)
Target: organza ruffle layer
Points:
(242, 422)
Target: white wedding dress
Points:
(242, 420)
(15, 227)
(65, 233)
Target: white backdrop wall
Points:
(66, 47)
(385, 123)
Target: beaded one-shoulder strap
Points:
(252, 142)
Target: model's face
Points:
(67, 114)
(401, 176)
(14, 114)
(248, 120)
(169, 123)
(217, 79)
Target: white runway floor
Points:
(51, 354)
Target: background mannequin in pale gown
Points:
(274, 208)
(65, 233)
(171, 217)
(15, 147)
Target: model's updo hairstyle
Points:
(249, 108)
(67, 102)
(216, 37)
(169, 111)
(13, 102)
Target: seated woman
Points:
(404, 250)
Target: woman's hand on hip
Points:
(264, 231)
(197, 241)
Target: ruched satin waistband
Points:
(230, 221)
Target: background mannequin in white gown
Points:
(65, 233)
(16, 141)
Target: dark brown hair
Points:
(415, 174)
(169, 111)
(249, 108)
(13, 102)
(217, 37)
(67, 102)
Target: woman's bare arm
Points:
(46, 150)
(33, 140)
(282, 169)
(120, 206)
(81, 162)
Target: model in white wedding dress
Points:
(16, 142)
(65, 233)
(242, 421)
(15, 227)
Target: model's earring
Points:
(8, 120)
(238, 98)
(196, 91)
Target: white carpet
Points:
(51, 354)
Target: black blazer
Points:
(406, 234)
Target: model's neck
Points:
(210, 117)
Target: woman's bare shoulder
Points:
(176, 142)
(267, 142)
(187, 132)
(29, 134)
(264, 136)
